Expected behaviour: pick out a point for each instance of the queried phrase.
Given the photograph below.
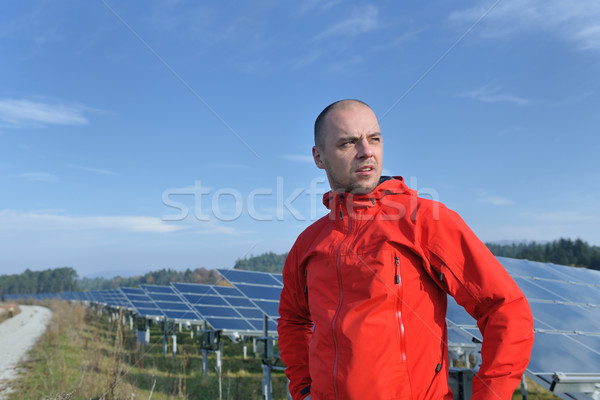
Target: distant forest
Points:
(66, 279)
(575, 253)
(562, 251)
(267, 262)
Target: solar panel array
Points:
(565, 303)
(239, 308)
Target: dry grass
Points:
(8, 310)
(85, 355)
(71, 361)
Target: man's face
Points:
(352, 150)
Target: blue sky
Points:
(177, 134)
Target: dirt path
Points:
(17, 336)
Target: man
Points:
(362, 311)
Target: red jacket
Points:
(372, 278)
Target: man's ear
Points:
(317, 156)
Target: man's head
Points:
(348, 146)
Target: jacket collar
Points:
(387, 185)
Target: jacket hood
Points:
(387, 185)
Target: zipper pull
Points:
(397, 277)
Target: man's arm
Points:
(295, 327)
(474, 277)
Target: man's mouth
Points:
(366, 170)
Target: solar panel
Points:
(548, 355)
(262, 289)
(565, 303)
(458, 316)
(224, 308)
(172, 305)
(142, 303)
(250, 277)
(566, 317)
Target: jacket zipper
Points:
(334, 320)
(399, 292)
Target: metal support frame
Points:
(210, 340)
(263, 346)
(169, 330)
(461, 382)
(576, 383)
(147, 333)
(205, 362)
(143, 331)
(219, 368)
(524, 391)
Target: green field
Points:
(84, 355)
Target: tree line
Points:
(66, 279)
(46, 281)
(576, 253)
(267, 262)
(160, 277)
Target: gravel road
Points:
(17, 336)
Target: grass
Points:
(86, 355)
(8, 310)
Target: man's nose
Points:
(364, 149)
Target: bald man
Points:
(362, 311)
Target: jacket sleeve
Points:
(478, 282)
(295, 327)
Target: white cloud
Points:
(91, 169)
(16, 113)
(575, 21)
(363, 19)
(588, 37)
(301, 158)
(488, 94)
(39, 177)
(39, 221)
(307, 59)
